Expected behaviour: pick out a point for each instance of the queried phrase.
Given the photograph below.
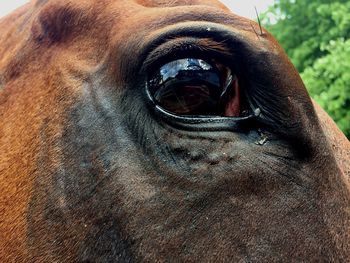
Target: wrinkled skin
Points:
(90, 173)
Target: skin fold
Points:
(89, 172)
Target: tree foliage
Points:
(316, 36)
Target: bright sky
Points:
(7, 6)
(246, 8)
(243, 8)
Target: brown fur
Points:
(84, 180)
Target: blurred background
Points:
(315, 35)
(7, 6)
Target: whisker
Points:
(254, 30)
(257, 16)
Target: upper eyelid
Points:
(184, 46)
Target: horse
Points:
(162, 131)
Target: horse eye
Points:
(191, 86)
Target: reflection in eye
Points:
(172, 69)
(183, 99)
(191, 86)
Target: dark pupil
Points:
(187, 87)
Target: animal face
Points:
(162, 131)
